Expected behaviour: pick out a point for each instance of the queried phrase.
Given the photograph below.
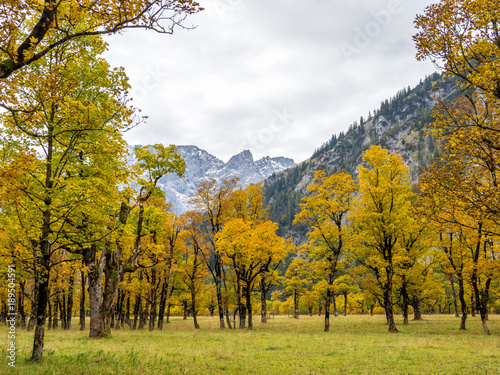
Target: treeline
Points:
(81, 228)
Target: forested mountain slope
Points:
(399, 125)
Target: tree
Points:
(213, 200)
(411, 262)
(381, 217)
(70, 107)
(30, 30)
(324, 211)
(461, 37)
(192, 263)
(250, 250)
(462, 191)
(296, 281)
(345, 285)
(124, 255)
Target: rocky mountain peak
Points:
(200, 164)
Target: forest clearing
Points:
(356, 344)
(392, 223)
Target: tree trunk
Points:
(184, 310)
(152, 298)
(345, 304)
(62, 311)
(152, 314)
(43, 297)
(143, 316)
(388, 300)
(112, 271)
(406, 300)
(295, 304)
(119, 310)
(461, 297)
(241, 307)
(95, 289)
(472, 306)
(168, 312)
(193, 307)
(218, 287)
(163, 302)
(45, 251)
(20, 304)
(49, 325)
(228, 318)
(454, 295)
(334, 301)
(211, 308)
(127, 314)
(55, 319)
(263, 302)
(137, 309)
(327, 309)
(82, 303)
(482, 300)
(248, 292)
(69, 305)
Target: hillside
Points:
(399, 125)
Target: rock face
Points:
(200, 165)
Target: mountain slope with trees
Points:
(399, 125)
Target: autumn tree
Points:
(192, 268)
(70, 108)
(462, 190)
(413, 262)
(297, 280)
(380, 218)
(250, 250)
(345, 285)
(133, 218)
(213, 200)
(325, 210)
(30, 30)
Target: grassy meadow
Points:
(356, 345)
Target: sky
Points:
(276, 77)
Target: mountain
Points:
(200, 164)
(399, 125)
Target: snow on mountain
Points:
(200, 164)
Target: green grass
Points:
(355, 345)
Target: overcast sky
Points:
(268, 76)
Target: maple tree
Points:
(381, 217)
(213, 200)
(296, 280)
(193, 272)
(250, 249)
(344, 285)
(136, 219)
(462, 37)
(324, 211)
(462, 189)
(31, 29)
(68, 112)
